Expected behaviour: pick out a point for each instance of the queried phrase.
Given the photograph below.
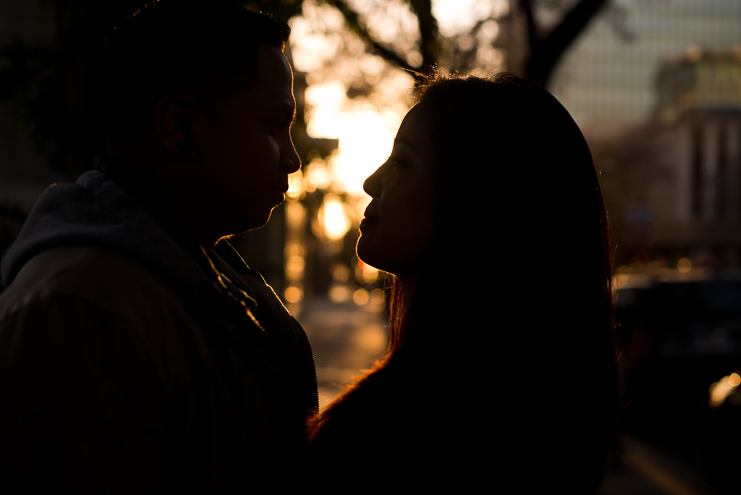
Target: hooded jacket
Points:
(133, 361)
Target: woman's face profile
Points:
(398, 221)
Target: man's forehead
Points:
(274, 88)
(273, 67)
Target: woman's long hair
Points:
(514, 307)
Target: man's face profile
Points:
(245, 148)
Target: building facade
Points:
(684, 164)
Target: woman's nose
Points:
(372, 185)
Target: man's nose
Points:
(290, 161)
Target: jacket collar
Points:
(114, 208)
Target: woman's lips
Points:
(368, 221)
(369, 218)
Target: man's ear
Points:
(175, 114)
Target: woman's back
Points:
(446, 429)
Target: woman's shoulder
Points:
(368, 401)
(385, 417)
(384, 408)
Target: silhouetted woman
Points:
(500, 374)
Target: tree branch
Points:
(527, 10)
(353, 19)
(429, 34)
(546, 52)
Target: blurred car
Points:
(681, 365)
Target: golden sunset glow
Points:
(336, 63)
(334, 218)
(365, 132)
(366, 273)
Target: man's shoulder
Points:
(88, 275)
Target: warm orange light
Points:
(360, 297)
(371, 337)
(366, 273)
(340, 273)
(684, 265)
(339, 293)
(293, 294)
(334, 218)
(295, 186)
(376, 296)
(734, 380)
(365, 143)
(720, 390)
(295, 267)
(455, 16)
(294, 249)
(295, 213)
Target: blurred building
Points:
(638, 83)
(606, 79)
(684, 164)
(699, 105)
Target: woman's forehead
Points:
(414, 126)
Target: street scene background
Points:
(655, 86)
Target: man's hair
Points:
(206, 49)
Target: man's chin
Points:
(257, 223)
(245, 224)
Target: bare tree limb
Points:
(459, 60)
(546, 52)
(353, 20)
(527, 9)
(429, 34)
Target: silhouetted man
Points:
(135, 355)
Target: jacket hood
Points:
(97, 211)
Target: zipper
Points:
(222, 288)
(313, 366)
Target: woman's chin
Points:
(361, 249)
(365, 251)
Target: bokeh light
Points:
(457, 16)
(684, 265)
(333, 217)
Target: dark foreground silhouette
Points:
(135, 355)
(501, 364)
